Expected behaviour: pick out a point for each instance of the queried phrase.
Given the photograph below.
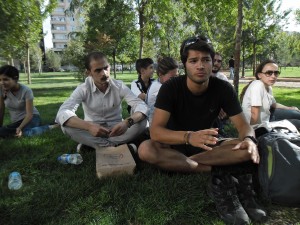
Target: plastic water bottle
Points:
(14, 181)
(70, 159)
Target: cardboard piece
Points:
(111, 161)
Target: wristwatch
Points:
(252, 139)
(130, 122)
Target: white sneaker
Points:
(78, 149)
(132, 147)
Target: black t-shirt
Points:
(231, 62)
(191, 112)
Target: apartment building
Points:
(62, 25)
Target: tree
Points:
(297, 14)
(36, 58)
(22, 25)
(53, 60)
(261, 19)
(237, 51)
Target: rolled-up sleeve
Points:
(69, 107)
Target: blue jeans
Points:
(289, 114)
(231, 76)
(32, 128)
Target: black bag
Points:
(279, 167)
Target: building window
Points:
(59, 10)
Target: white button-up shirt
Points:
(98, 107)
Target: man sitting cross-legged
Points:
(101, 98)
(182, 139)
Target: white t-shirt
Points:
(257, 95)
(220, 76)
(151, 97)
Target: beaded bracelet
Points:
(187, 137)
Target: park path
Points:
(283, 82)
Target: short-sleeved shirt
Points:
(189, 112)
(257, 95)
(16, 104)
(196, 112)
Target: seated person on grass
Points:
(18, 99)
(258, 102)
(167, 68)
(182, 139)
(145, 69)
(101, 98)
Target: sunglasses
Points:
(194, 40)
(269, 73)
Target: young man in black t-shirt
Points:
(182, 139)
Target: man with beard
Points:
(101, 98)
(222, 118)
(217, 66)
(182, 139)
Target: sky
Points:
(286, 4)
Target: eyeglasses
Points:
(269, 73)
(194, 40)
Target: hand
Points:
(142, 96)
(251, 147)
(202, 138)
(98, 131)
(294, 108)
(119, 129)
(18, 132)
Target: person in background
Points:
(222, 118)
(101, 98)
(182, 139)
(217, 64)
(231, 68)
(145, 70)
(18, 99)
(258, 102)
(167, 68)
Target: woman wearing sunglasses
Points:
(258, 102)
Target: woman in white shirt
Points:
(167, 68)
(258, 102)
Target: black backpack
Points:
(279, 167)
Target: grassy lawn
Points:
(54, 193)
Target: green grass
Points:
(54, 193)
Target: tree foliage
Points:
(22, 26)
(53, 60)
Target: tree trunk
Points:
(254, 58)
(28, 66)
(243, 69)
(142, 25)
(40, 67)
(237, 50)
(114, 62)
(25, 68)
